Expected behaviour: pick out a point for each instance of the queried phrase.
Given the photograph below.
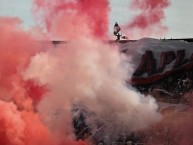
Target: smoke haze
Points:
(40, 82)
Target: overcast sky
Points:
(179, 15)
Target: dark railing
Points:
(125, 41)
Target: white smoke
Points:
(94, 75)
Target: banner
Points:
(155, 59)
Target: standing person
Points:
(117, 31)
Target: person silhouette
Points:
(117, 31)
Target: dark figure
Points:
(117, 31)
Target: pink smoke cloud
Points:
(149, 20)
(69, 19)
(20, 123)
(16, 49)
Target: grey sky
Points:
(179, 16)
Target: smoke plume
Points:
(91, 74)
(148, 21)
(20, 122)
(70, 19)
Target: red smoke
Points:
(20, 123)
(72, 18)
(35, 91)
(16, 50)
(149, 20)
